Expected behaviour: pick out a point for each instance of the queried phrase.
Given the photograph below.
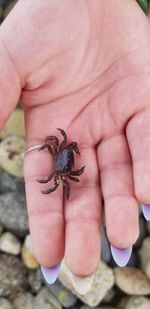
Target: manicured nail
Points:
(146, 211)
(82, 284)
(121, 256)
(50, 274)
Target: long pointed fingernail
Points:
(121, 256)
(82, 284)
(146, 211)
(50, 274)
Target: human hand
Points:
(82, 66)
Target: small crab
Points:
(63, 162)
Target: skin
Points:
(83, 66)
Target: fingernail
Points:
(82, 284)
(50, 274)
(146, 211)
(121, 256)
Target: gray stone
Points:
(5, 304)
(9, 183)
(1, 13)
(140, 302)
(9, 243)
(143, 232)
(46, 300)
(109, 296)
(1, 228)
(144, 255)
(103, 282)
(23, 301)
(106, 307)
(122, 301)
(148, 227)
(132, 281)
(100, 307)
(13, 213)
(65, 297)
(105, 247)
(9, 7)
(35, 281)
(13, 275)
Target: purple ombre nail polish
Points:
(121, 256)
(146, 211)
(50, 274)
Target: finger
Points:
(121, 208)
(83, 217)
(45, 210)
(138, 134)
(9, 92)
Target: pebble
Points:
(13, 213)
(144, 256)
(101, 307)
(23, 301)
(35, 280)
(7, 183)
(12, 154)
(46, 300)
(65, 297)
(140, 302)
(1, 228)
(5, 304)
(109, 296)
(132, 281)
(1, 13)
(15, 125)
(28, 255)
(105, 247)
(9, 7)
(11, 183)
(9, 243)
(4, 3)
(148, 227)
(13, 275)
(103, 282)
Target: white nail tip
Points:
(82, 284)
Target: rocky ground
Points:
(21, 283)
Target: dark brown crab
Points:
(63, 162)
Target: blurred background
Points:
(21, 283)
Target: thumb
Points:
(10, 87)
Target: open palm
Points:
(84, 67)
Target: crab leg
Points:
(47, 179)
(73, 178)
(64, 136)
(52, 189)
(78, 172)
(52, 138)
(48, 147)
(74, 146)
